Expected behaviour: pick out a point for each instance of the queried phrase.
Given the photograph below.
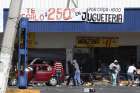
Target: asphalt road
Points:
(70, 89)
(98, 89)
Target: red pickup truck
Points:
(40, 72)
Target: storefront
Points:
(57, 39)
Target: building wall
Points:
(132, 3)
(40, 4)
(67, 40)
(60, 3)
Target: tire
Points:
(53, 81)
(12, 82)
(25, 87)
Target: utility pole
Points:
(7, 48)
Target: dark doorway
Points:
(124, 54)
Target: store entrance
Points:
(124, 54)
(92, 60)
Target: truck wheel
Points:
(53, 81)
(12, 82)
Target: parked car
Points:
(39, 71)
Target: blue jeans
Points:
(77, 78)
(114, 79)
(130, 76)
(58, 76)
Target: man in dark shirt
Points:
(71, 73)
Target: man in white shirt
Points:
(131, 73)
(115, 69)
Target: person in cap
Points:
(114, 69)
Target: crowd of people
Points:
(114, 70)
(74, 72)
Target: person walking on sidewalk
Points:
(77, 73)
(59, 70)
(71, 73)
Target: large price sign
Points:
(52, 14)
(104, 15)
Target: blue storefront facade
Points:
(131, 24)
(128, 33)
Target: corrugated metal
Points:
(131, 24)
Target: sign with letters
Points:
(102, 15)
(99, 11)
(89, 42)
(110, 11)
(52, 14)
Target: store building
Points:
(60, 39)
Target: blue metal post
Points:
(22, 53)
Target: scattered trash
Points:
(88, 84)
(89, 90)
(123, 83)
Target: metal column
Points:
(22, 53)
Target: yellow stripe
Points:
(12, 90)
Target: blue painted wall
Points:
(131, 24)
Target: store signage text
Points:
(105, 15)
(85, 42)
(51, 14)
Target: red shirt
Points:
(58, 66)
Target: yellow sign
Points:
(108, 42)
(31, 40)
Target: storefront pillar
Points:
(69, 57)
(91, 52)
(138, 55)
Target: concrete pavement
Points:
(99, 89)
(70, 89)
